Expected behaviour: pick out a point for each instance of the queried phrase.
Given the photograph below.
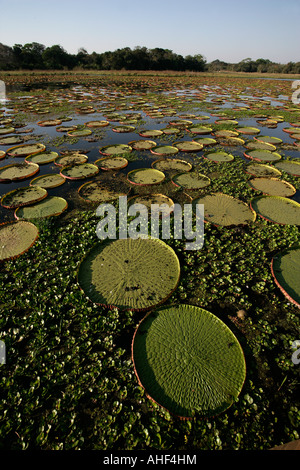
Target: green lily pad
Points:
(51, 206)
(280, 210)
(18, 171)
(162, 200)
(165, 164)
(188, 361)
(259, 169)
(188, 146)
(16, 238)
(73, 159)
(269, 139)
(50, 122)
(48, 181)
(272, 186)
(142, 144)
(222, 209)
(79, 133)
(42, 158)
(291, 167)
(145, 176)
(79, 171)
(129, 273)
(248, 130)
(263, 155)
(97, 124)
(285, 269)
(117, 149)
(111, 163)
(191, 180)
(219, 156)
(97, 191)
(200, 129)
(151, 133)
(25, 150)
(23, 196)
(257, 145)
(164, 150)
(205, 141)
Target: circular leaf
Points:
(285, 269)
(129, 273)
(16, 238)
(221, 209)
(51, 206)
(188, 361)
(145, 176)
(272, 186)
(277, 209)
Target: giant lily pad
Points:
(191, 180)
(51, 206)
(289, 166)
(165, 164)
(129, 273)
(117, 149)
(18, 171)
(285, 269)
(166, 204)
(188, 146)
(16, 238)
(79, 171)
(164, 150)
(263, 155)
(23, 196)
(112, 163)
(280, 210)
(145, 176)
(188, 361)
(97, 191)
(142, 144)
(219, 156)
(272, 186)
(225, 210)
(48, 181)
(259, 169)
(70, 159)
(25, 150)
(42, 158)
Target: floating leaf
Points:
(23, 196)
(129, 273)
(188, 361)
(277, 209)
(51, 206)
(285, 269)
(225, 210)
(16, 238)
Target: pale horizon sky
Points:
(228, 30)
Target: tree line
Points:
(36, 56)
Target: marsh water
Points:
(154, 109)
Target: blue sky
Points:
(229, 30)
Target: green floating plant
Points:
(16, 238)
(129, 273)
(285, 269)
(188, 361)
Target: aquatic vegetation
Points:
(181, 353)
(69, 381)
